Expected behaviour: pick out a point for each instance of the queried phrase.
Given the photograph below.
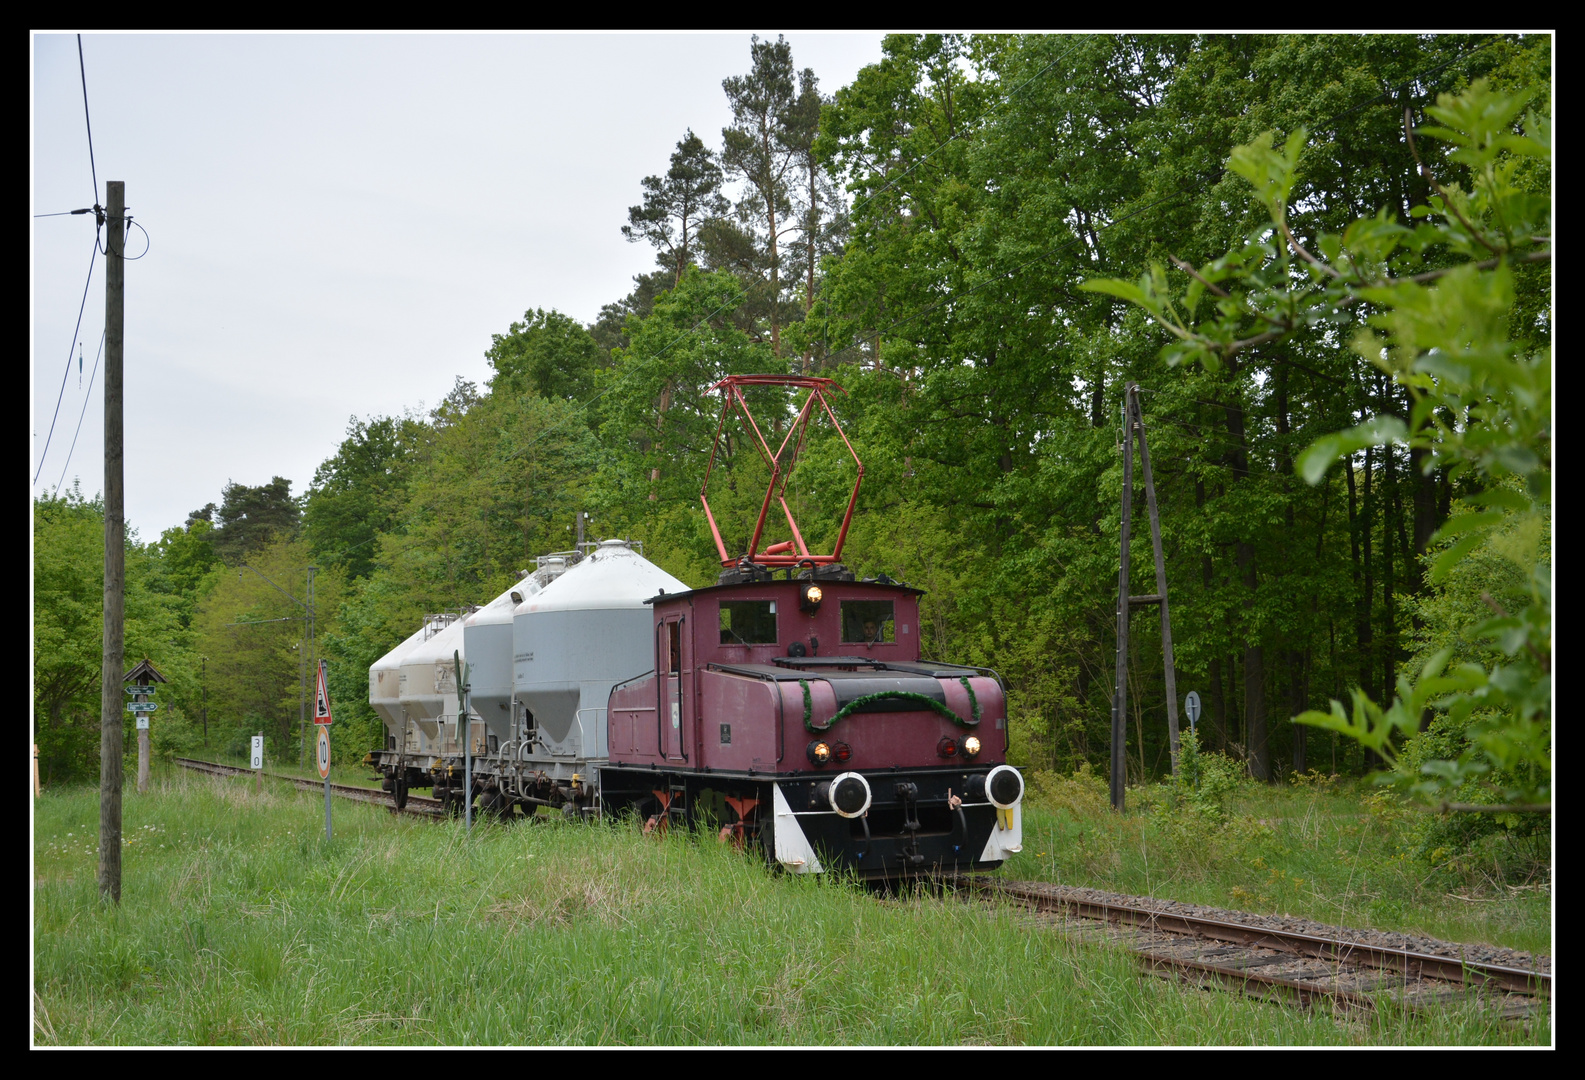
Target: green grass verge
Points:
(239, 924)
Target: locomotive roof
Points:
(827, 584)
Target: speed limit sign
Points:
(324, 753)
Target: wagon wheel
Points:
(399, 790)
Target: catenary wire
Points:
(80, 308)
(86, 398)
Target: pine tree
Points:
(756, 151)
(677, 204)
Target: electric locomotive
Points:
(797, 712)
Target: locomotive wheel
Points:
(738, 830)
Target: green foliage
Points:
(1205, 781)
(547, 354)
(68, 597)
(677, 205)
(250, 517)
(250, 625)
(357, 492)
(1479, 400)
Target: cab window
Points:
(748, 622)
(868, 622)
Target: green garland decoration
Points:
(974, 701)
(858, 703)
(809, 703)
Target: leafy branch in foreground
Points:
(1480, 405)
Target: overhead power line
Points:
(92, 168)
(80, 308)
(86, 399)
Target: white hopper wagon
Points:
(385, 691)
(572, 642)
(487, 641)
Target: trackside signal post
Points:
(322, 745)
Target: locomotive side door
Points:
(673, 718)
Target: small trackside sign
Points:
(322, 753)
(321, 698)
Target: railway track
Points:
(416, 804)
(1284, 964)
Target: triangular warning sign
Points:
(321, 698)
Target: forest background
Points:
(921, 236)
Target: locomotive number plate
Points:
(726, 734)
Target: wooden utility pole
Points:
(1134, 426)
(1168, 666)
(1120, 684)
(110, 694)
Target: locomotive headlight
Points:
(1004, 787)
(849, 795)
(971, 745)
(815, 594)
(810, 596)
(819, 753)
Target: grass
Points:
(1335, 856)
(240, 925)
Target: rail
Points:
(416, 804)
(1233, 952)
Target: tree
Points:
(822, 221)
(357, 492)
(548, 354)
(676, 205)
(1479, 400)
(252, 635)
(250, 517)
(68, 599)
(756, 150)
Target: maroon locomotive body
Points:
(796, 712)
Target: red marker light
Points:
(947, 747)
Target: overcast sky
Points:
(337, 225)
